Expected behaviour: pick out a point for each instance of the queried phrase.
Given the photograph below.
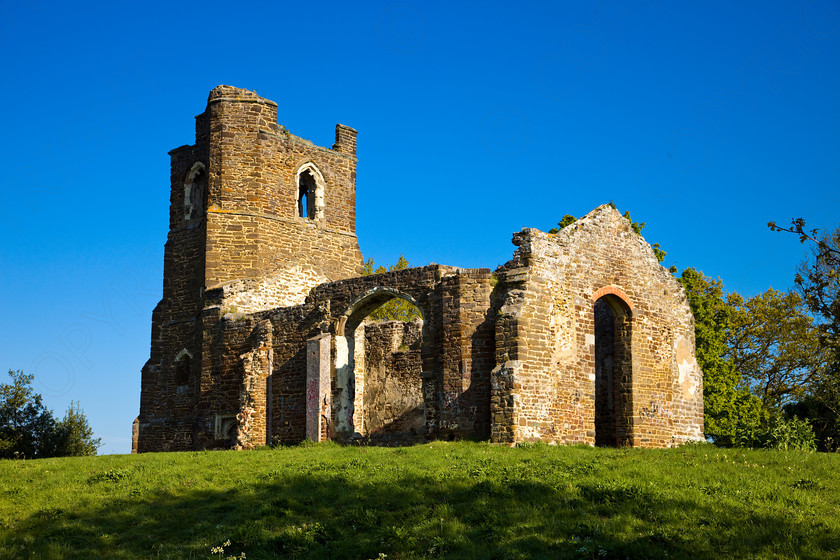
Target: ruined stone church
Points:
(262, 334)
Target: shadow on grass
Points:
(341, 515)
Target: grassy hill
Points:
(439, 500)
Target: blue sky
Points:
(705, 120)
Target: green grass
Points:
(439, 500)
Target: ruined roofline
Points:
(589, 216)
(215, 295)
(523, 239)
(283, 131)
(345, 136)
(180, 149)
(278, 134)
(236, 95)
(580, 223)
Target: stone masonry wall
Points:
(247, 363)
(393, 398)
(543, 387)
(234, 224)
(293, 326)
(166, 404)
(468, 353)
(455, 365)
(253, 229)
(253, 375)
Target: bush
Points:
(786, 434)
(792, 434)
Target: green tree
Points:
(396, 309)
(27, 427)
(74, 437)
(757, 355)
(730, 410)
(568, 219)
(818, 277)
(775, 346)
(818, 281)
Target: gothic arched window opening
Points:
(310, 192)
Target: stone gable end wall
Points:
(544, 385)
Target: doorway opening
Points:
(379, 392)
(613, 372)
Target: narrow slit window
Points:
(195, 193)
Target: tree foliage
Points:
(74, 434)
(28, 429)
(729, 408)
(396, 309)
(757, 355)
(775, 346)
(819, 408)
(818, 277)
(818, 281)
(26, 426)
(568, 219)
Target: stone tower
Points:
(255, 212)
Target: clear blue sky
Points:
(705, 120)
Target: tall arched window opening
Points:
(306, 195)
(310, 192)
(183, 364)
(613, 372)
